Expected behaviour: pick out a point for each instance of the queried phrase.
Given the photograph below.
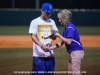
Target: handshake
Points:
(46, 48)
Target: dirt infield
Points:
(26, 42)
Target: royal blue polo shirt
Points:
(71, 31)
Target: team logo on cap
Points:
(50, 7)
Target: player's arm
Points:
(35, 40)
(56, 45)
(65, 40)
(53, 37)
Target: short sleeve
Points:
(70, 32)
(33, 27)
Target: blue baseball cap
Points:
(47, 7)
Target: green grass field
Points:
(14, 60)
(23, 30)
(20, 59)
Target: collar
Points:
(68, 24)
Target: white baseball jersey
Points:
(42, 29)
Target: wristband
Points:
(57, 45)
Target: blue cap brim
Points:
(50, 11)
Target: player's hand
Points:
(53, 37)
(51, 48)
(57, 34)
(45, 48)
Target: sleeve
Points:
(70, 32)
(55, 29)
(33, 27)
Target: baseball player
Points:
(72, 42)
(42, 29)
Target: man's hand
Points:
(44, 47)
(53, 37)
(50, 48)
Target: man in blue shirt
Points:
(71, 39)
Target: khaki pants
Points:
(74, 63)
